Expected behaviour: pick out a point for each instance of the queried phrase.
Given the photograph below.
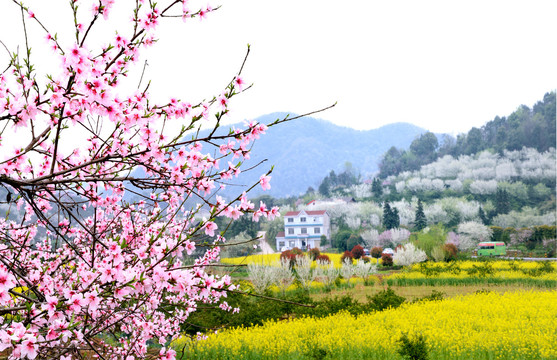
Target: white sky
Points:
(442, 65)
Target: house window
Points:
(304, 230)
(290, 219)
(303, 219)
(290, 231)
(316, 230)
(281, 244)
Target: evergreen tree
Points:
(387, 215)
(391, 219)
(395, 219)
(502, 202)
(482, 216)
(376, 187)
(420, 222)
(324, 187)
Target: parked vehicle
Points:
(388, 251)
(492, 248)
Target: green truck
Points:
(492, 248)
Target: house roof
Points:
(313, 212)
(280, 234)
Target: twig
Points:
(270, 298)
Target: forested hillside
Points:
(439, 191)
(495, 182)
(525, 127)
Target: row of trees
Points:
(333, 181)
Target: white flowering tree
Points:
(370, 237)
(347, 269)
(483, 187)
(471, 233)
(399, 235)
(303, 271)
(261, 276)
(325, 272)
(363, 269)
(283, 276)
(408, 255)
(435, 214)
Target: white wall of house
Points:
(304, 230)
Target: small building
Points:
(303, 229)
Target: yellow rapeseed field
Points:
(498, 265)
(514, 325)
(535, 273)
(267, 259)
(273, 259)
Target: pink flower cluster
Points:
(87, 253)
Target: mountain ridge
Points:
(304, 151)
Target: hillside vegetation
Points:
(532, 128)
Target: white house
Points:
(303, 229)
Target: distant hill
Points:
(304, 151)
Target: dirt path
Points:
(263, 245)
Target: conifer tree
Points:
(482, 216)
(391, 218)
(420, 222)
(395, 219)
(502, 202)
(376, 187)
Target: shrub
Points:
(323, 258)
(484, 269)
(357, 252)
(387, 260)
(450, 251)
(434, 237)
(313, 253)
(346, 255)
(385, 299)
(333, 305)
(324, 242)
(434, 296)
(438, 254)
(413, 349)
(291, 255)
(297, 251)
(376, 252)
(366, 259)
(317, 353)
